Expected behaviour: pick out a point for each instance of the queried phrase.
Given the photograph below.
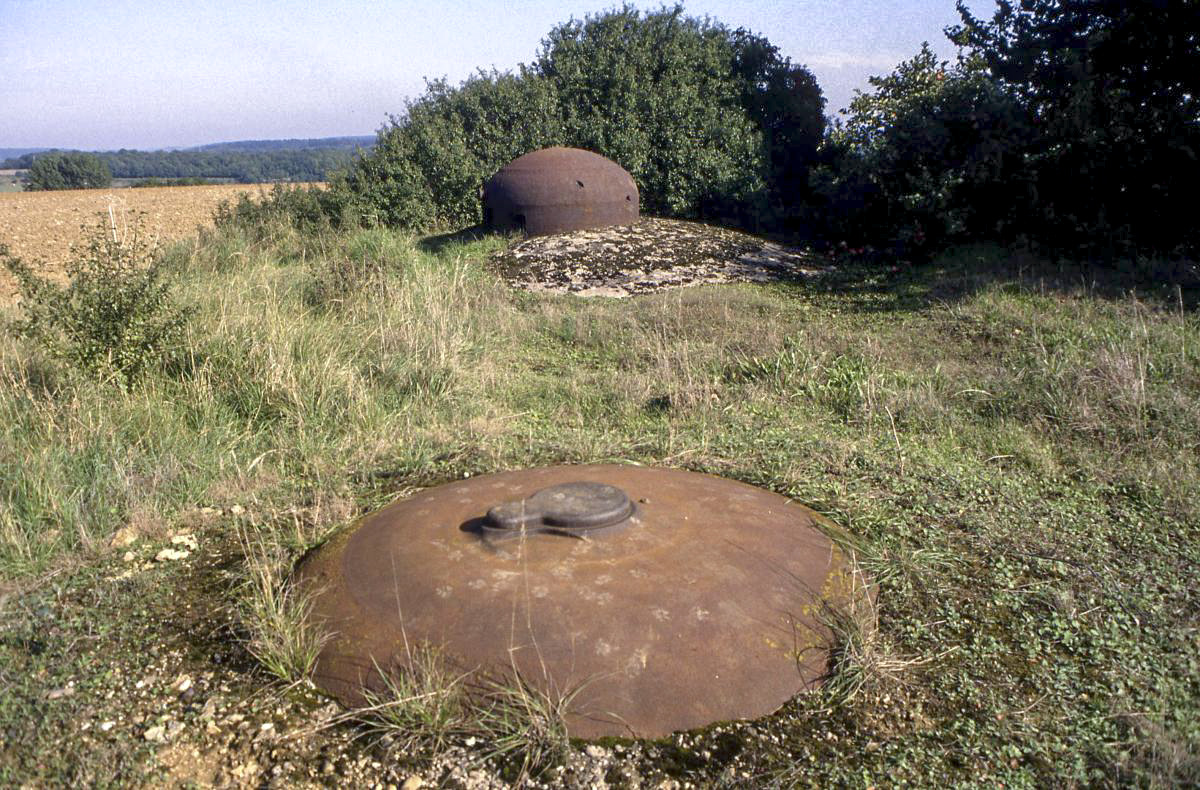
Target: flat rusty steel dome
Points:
(556, 190)
(670, 599)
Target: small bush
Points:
(335, 279)
(357, 264)
(308, 209)
(115, 315)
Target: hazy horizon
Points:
(138, 75)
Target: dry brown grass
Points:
(40, 227)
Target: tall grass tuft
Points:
(424, 706)
(262, 400)
(281, 635)
(525, 724)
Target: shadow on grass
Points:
(436, 244)
(959, 273)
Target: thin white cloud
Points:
(855, 60)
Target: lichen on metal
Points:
(669, 599)
(556, 190)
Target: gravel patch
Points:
(650, 255)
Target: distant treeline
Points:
(244, 166)
(343, 143)
(174, 182)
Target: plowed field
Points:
(40, 227)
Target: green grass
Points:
(428, 706)
(1013, 451)
(275, 613)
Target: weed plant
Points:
(424, 706)
(525, 724)
(114, 317)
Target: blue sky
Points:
(154, 74)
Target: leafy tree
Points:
(933, 155)
(785, 103)
(710, 123)
(656, 94)
(427, 166)
(68, 170)
(1114, 90)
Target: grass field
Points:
(1012, 448)
(9, 181)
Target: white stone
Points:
(125, 536)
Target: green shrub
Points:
(657, 94)
(114, 317)
(303, 208)
(931, 156)
(784, 101)
(68, 170)
(427, 168)
(1115, 93)
(710, 123)
(1071, 125)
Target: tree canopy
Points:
(247, 166)
(1069, 124)
(711, 122)
(932, 155)
(69, 170)
(1113, 90)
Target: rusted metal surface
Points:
(556, 190)
(703, 606)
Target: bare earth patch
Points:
(650, 255)
(40, 227)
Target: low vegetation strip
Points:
(41, 227)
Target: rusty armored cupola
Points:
(671, 599)
(556, 190)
